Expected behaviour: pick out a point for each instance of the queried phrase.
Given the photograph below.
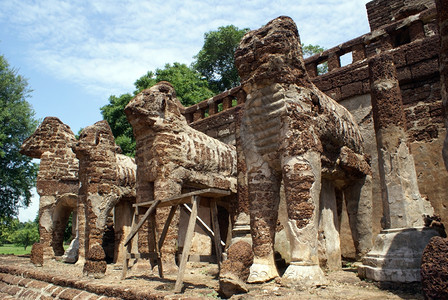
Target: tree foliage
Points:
(113, 113)
(26, 235)
(310, 50)
(215, 61)
(190, 89)
(17, 172)
(7, 227)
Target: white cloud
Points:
(103, 46)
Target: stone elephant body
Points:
(107, 178)
(57, 181)
(172, 156)
(293, 133)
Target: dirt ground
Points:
(200, 281)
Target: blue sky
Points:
(75, 54)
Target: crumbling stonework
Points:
(294, 133)
(106, 178)
(235, 270)
(383, 12)
(434, 269)
(171, 156)
(442, 18)
(95, 264)
(414, 41)
(37, 254)
(57, 181)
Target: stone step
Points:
(18, 287)
(20, 283)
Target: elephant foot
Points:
(262, 273)
(299, 276)
(95, 269)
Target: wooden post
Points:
(217, 235)
(128, 248)
(142, 220)
(187, 244)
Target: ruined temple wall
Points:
(382, 12)
(221, 126)
(416, 61)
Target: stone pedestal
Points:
(396, 255)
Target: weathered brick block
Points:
(426, 68)
(351, 89)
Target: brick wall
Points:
(382, 12)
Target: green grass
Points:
(13, 249)
(18, 250)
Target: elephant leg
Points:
(164, 189)
(95, 264)
(144, 244)
(264, 189)
(81, 231)
(46, 225)
(329, 242)
(358, 197)
(302, 182)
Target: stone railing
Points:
(212, 106)
(388, 37)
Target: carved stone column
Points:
(397, 251)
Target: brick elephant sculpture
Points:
(107, 177)
(293, 133)
(171, 157)
(57, 181)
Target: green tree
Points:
(215, 61)
(27, 235)
(17, 172)
(113, 113)
(310, 50)
(7, 227)
(190, 89)
(68, 229)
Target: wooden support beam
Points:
(142, 220)
(187, 245)
(217, 235)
